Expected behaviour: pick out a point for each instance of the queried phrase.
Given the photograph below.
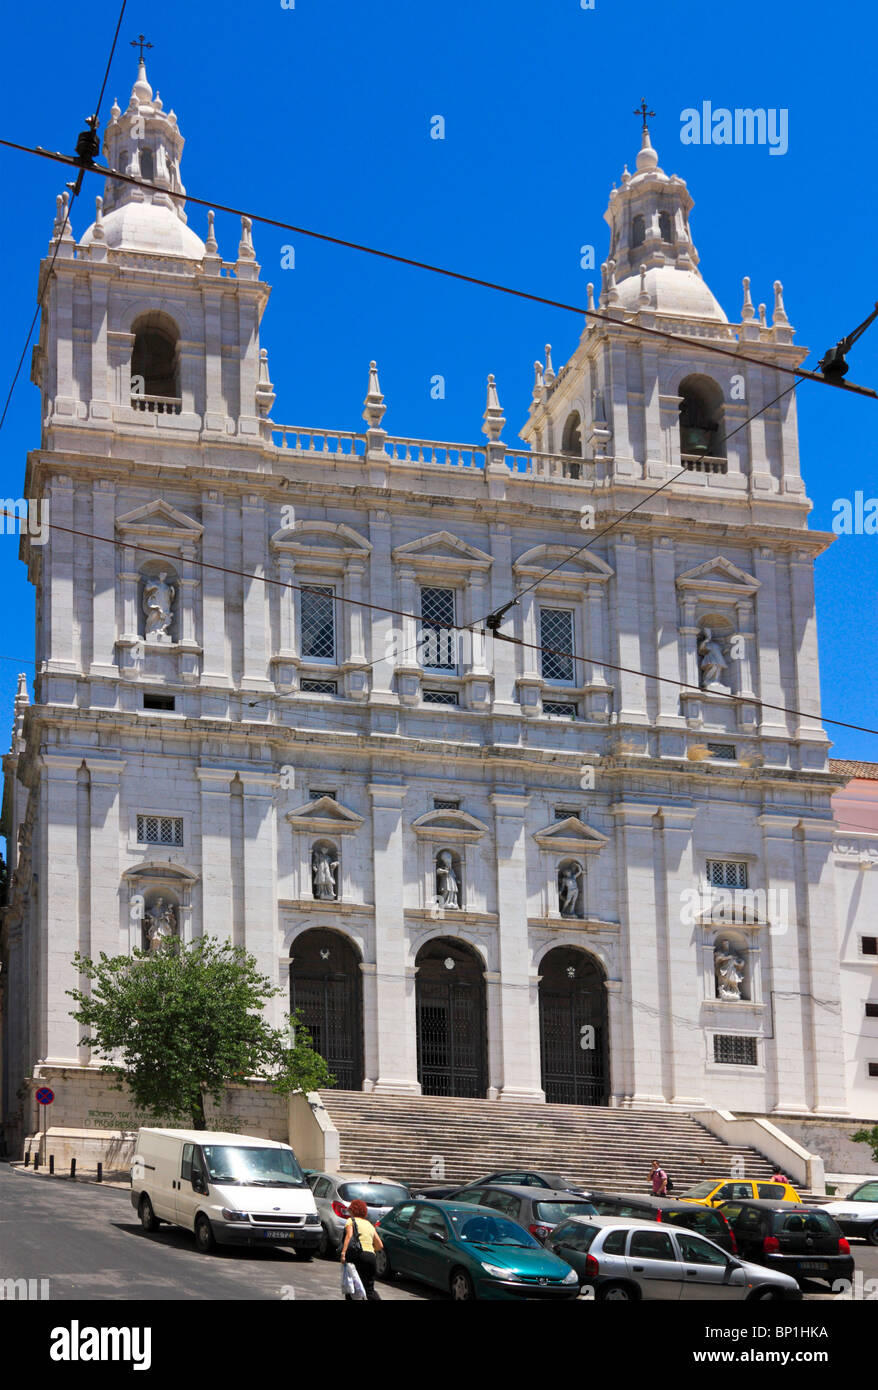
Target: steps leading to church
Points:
(401, 1137)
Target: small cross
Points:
(141, 40)
(642, 111)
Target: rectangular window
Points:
(318, 622)
(869, 945)
(315, 794)
(871, 1010)
(160, 830)
(873, 1069)
(563, 812)
(318, 687)
(441, 697)
(437, 636)
(734, 1050)
(725, 751)
(556, 631)
(446, 803)
(560, 709)
(726, 873)
(160, 702)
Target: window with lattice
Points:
(726, 873)
(160, 830)
(556, 641)
(437, 636)
(318, 622)
(734, 1049)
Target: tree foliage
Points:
(870, 1137)
(183, 1021)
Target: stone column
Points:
(785, 1065)
(654, 463)
(103, 642)
(619, 1067)
(772, 722)
(214, 660)
(502, 655)
(804, 630)
(100, 407)
(59, 915)
(632, 688)
(392, 1025)
(105, 922)
(356, 681)
(216, 852)
(214, 405)
(381, 624)
(58, 578)
(261, 925)
(253, 550)
(638, 946)
(667, 633)
(519, 1028)
(826, 1054)
(683, 981)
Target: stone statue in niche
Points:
(158, 606)
(712, 664)
(729, 969)
(161, 923)
(569, 876)
(324, 874)
(447, 885)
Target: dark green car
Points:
(472, 1252)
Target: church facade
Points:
(593, 864)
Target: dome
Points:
(671, 291)
(147, 227)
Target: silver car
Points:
(333, 1194)
(620, 1259)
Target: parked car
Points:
(857, 1214)
(705, 1220)
(624, 1260)
(518, 1177)
(472, 1252)
(537, 1209)
(226, 1188)
(805, 1242)
(333, 1193)
(710, 1194)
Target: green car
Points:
(472, 1252)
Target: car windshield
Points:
(374, 1194)
(253, 1167)
(701, 1189)
(866, 1192)
(556, 1211)
(491, 1230)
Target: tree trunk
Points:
(197, 1109)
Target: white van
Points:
(227, 1188)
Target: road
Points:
(87, 1241)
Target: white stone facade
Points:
(632, 786)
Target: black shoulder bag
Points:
(354, 1245)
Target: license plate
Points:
(279, 1235)
(812, 1264)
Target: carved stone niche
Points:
(445, 871)
(565, 845)
(159, 903)
(317, 827)
(717, 632)
(159, 614)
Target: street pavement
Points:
(87, 1241)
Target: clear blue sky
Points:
(321, 115)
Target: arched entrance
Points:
(573, 1028)
(326, 987)
(450, 993)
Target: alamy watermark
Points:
(741, 126)
(23, 516)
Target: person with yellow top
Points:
(367, 1241)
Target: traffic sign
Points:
(45, 1096)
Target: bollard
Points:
(51, 1164)
(36, 1161)
(73, 1167)
(100, 1172)
(27, 1159)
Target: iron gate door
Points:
(325, 987)
(573, 1029)
(451, 1021)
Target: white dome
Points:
(672, 291)
(147, 227)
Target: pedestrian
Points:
(658, 1178)
(361, 1240)
(779, 1177)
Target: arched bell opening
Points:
(702, 433)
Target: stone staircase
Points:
(401, 1136)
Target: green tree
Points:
(870, 1137)
(183, 1021)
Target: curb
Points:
(81, 1179)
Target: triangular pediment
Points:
(321, 537)
(442, 548)
(325, 815)
(582, 568)
(570, 834)
(718, 575)
(160, 518)
(449, 825)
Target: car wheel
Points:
(382, 1265)
(148, 1218)
(764, 1296)
(204, 1237)
(616, 1293)
(323, 1243)
(872, 1234)
(461, 1286)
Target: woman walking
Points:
(361, 1240)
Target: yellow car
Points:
(710, 1194)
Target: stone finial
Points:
(141, 92)
(763, 321)
(589, 289)
(643, 297)
(115, 110)
(61, 228)
(612, 292)
(549, 374)
(748, 313)
(647, 159)
(245, 245)
(157, 102)
(21, 693)
(780, 313)
(211, 245)
(538, 380)
(265, 396)
(494, 419)
(98, 234)
(374, 402)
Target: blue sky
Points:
(321, 115)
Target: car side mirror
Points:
(438, 1236)
(198, 1186)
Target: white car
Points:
(857, 1215)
